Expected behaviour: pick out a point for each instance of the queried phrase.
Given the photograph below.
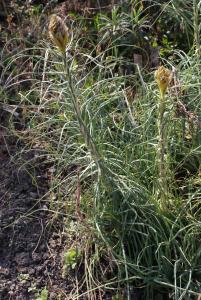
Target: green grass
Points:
(147, 247)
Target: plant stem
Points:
(84, 131)
(161, 147)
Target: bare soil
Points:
(30, 245)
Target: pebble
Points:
(4, 271)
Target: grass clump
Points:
(112, 149)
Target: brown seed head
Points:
(58, 32)
(163, 77)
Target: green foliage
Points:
(23, 277)
(100, 120)
(43, 294)
(71, 258)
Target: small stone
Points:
(4, 271)
(10, 293)
(12, 287)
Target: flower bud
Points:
(163, 77)
(58, 32)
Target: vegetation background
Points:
(120, 210)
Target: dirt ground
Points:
(30, 247)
